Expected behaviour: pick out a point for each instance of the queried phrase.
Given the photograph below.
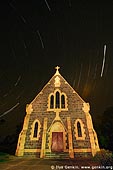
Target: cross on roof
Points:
(57, 70)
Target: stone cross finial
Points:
(57, 69)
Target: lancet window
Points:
(62, 101)
(35, 130)
(79, 130)
(57, 100)
(51, 101)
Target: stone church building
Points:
(57, 124)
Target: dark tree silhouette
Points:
(8, 143)
(105, 129)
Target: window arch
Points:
(62, 101)
(79, 129)
(57, 100)
(35, 130)
(52, 102)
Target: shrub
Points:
(105, 157)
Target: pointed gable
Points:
(57, 85)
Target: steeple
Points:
(57, 70)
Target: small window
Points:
(79, 129)
(62, 101)
(35, 130)
(57, 100)
(52, 102)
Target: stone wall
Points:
(75, 111)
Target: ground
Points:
(15, 163)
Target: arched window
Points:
(62, 101)
(35, 130)
(57, 100)
(52, 102)
(79, 129)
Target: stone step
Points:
(61, 155)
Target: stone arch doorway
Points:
(57, 139)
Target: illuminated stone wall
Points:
(76, 110)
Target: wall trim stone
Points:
(32, 150)
(82, 150)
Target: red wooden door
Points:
(57, 141)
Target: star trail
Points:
(38, 35)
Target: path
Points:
(47, 164)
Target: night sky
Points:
(38, 35)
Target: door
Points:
(57, 142)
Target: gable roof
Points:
(58, 74)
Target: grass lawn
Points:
(4, 157)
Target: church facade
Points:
(57, 124)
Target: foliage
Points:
(104, 129)
(104, 141)
(4, 157)
(105, 157)
(8, 143)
